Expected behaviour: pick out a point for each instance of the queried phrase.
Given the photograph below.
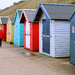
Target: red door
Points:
(4, 29)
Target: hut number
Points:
(73, 29)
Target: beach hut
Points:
(31, 30)
(4, 26)
(10, 30)
(54, 29)
(18, 30)
(72, 38)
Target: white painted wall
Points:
(62, 38)
(40, 33)
(52, 39)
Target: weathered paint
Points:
(18, 31)
(72, 40)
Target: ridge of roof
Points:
(29, 9)
(29, 14)
(72, 15)
(4, 16)
(56, 4)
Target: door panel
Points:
(46, 45)
(46, 27)
(28, 41)
(27, 35)
(46, 36)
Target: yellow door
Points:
(8, 31)
(0, 26)
(12, 33)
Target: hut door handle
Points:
(27, 34)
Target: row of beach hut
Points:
(50, 29)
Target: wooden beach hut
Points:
(18, 30)
(10, 30)
(54, 29)
(4, 26)
(31, 30)
(72, 38)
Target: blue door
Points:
(46, 36)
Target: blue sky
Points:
(7, 3)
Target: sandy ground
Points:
(14, 62)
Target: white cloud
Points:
(7, 3)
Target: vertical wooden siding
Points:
(21, 34)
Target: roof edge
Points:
(44, 11)
(58, 4)
(72, 15)
(30, 9)
(23, 12)
(16, 14)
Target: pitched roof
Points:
(19, 13)
(54, 11)
(29, 15)
(4, 20)
(12, 20)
